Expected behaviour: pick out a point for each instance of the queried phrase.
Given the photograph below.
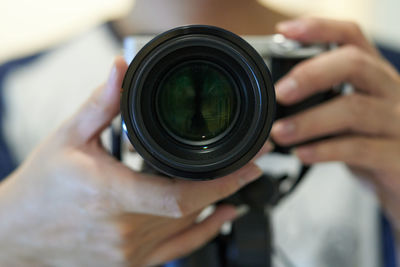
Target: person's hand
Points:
(72, 204)
(366, 123)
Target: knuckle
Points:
(173, 205)
(304, 72)
(362, 148)
(181, 205)
(354, 29)
(356, 55)
(346, 150)
(225, 189)
(356, 107)
(361, 110)
(183, 210)
(357, 58)
(325, 152)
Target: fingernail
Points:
(249, 174)
(242, 210)
(291, 26)
(284, 128)
(286, 89)
(305, 153)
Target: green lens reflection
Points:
(197, 101)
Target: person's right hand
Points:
(72, 204)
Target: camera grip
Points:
(286, 111)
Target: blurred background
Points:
(30, 26)
(53, 53)
(378, 18)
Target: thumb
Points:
(99, 110)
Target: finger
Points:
(153, 230)
(173, 197)
(317, 30)
(98, 111)
(385, 183)
(346, 64)
(370, 153)
(354, 113)
(164, 226)
(361, 173)
(194, 237)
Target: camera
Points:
(198, 102)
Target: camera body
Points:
(198, 102)
(243, 71)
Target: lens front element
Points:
(197, 101)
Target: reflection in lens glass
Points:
(197, 101)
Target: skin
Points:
(72, 204)
(366, 123)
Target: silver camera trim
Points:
(266, 45)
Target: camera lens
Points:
(198, 102)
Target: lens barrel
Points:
(198, 102)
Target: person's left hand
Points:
(72, 204)
(366, 123)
